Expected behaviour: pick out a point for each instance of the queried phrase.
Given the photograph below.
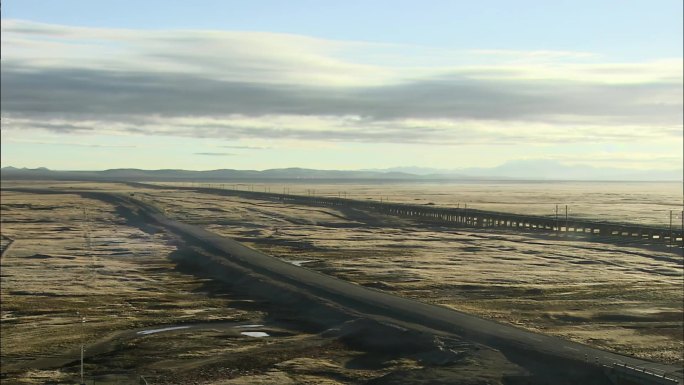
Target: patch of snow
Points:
(255, 334)
(153, 331)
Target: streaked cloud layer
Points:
(242, 86)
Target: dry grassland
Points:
(620, 298)
(70, 255)
(64, 254)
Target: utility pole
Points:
(671, 228)
(557, 227)
(82, 350)
(82, 322)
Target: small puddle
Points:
(255, 334)
(153, 331)
(300, 262)
(200, 326)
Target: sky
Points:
(348, 84)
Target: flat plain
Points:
(64, 254)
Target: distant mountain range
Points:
(515, 170)
(211, 175)
(545, 170)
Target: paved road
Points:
(381, 304)
(374, 303)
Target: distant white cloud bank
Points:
(251, 85)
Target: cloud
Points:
(355, 129)
(264, 58)
(248, 85)
(539, 54)
(72, 144)
(99, 93)
(249, 147)
(215, 153)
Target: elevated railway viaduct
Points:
(474, 218)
